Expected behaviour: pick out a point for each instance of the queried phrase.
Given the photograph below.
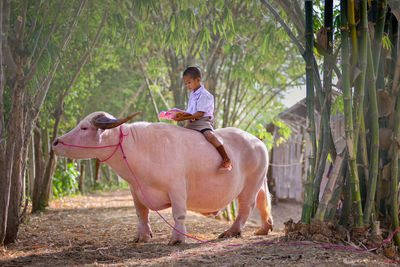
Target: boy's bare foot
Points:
(226, 165)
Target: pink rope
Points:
(328, 247)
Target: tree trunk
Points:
(97, 175)
(39, 170)
(116, 179)
(44, 180)
(90, 171)
(31, 167)
(14, 160)
(44, 174)
(82, 178)
(175, 74)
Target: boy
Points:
(201, 106)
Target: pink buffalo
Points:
(170, 166)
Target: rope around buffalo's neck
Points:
(328, 247)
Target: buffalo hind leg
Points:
(144, 233)
(178, 204)
(263, 204)
(246, 205)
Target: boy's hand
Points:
(178, 115)
(181, 117)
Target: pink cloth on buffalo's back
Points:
(171, 114)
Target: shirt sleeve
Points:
(205, 103)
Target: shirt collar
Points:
(198, 91)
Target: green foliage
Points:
(261, 132)
(338, 106)
(387, 44)
(65, 180)
(104, 186)
(43, 205)
(251, 58)
(284, 130)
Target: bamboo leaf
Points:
(172, 23)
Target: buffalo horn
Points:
(103, 122)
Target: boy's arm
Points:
(194, 116)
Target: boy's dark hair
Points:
(192, 72)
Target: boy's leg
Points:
(226, 164)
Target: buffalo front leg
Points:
(144, 233)
(178, 204)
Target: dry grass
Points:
(98, 230)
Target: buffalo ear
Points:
(103, 122)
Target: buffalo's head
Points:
(96, 130)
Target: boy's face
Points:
(192, 84)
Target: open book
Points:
(172, 114)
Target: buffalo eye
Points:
(84, 128)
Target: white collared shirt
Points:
(201, 100)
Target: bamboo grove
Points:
(362, 190)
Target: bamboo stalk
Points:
(381, 208)
(324, 96)
(394, 190)
(320, 173)
(393, 35)
(320, 141)
(337, 192)
(360, 90)
(374, 156)
(348, 117)
(347, 201)
(325, 101)
(360, 93)
(363, 148)
(353, 32)
(396, 77)
(308, 186)
(380, 24)
(329, 188)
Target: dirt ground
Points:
(99, 230)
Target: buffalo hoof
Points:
(228, 234)
(176, 242)
(265, 230)
(143, 238)
(261, 232)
